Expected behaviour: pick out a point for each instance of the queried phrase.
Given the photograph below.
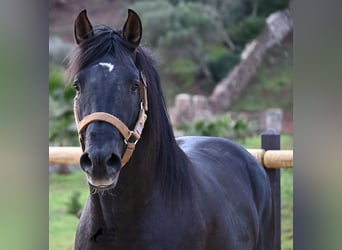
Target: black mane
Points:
(172, 172)
(158, 142)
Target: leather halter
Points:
(131, 137)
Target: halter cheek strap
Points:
(131, 137)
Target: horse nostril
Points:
(113, 163)
(86, 163)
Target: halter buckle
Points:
(133, 137)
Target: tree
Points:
(181, 31)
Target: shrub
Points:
(246, 30)
(74, 205)
(185, 70)
(62, 129)
(220, 61)
(221, 67)
(266, 7)
(222, 126)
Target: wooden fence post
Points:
(270, 140)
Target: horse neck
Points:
(125, 203)
(165, 165)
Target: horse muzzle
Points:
(101, 159)
(102, 168)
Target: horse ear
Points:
(82, 27)
(132, 30)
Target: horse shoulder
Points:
(166, 225)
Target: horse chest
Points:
(100, 237)
(132, 239)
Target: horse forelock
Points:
(104, 41)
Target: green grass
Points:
(286, 142)
(286, 187)
(62, 225)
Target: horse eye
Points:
(134, 87)
(76, 85)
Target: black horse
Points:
(149, 190)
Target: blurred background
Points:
(225, 67)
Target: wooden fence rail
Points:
(269, 158)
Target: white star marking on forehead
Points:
(108, 65)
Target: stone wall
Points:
(189, 108)
(278, 26)
(193, 108)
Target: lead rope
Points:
(131, 137)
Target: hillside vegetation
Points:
(195, 44)
(272, 85)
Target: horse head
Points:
(110, 101)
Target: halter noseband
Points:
(131, 137)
